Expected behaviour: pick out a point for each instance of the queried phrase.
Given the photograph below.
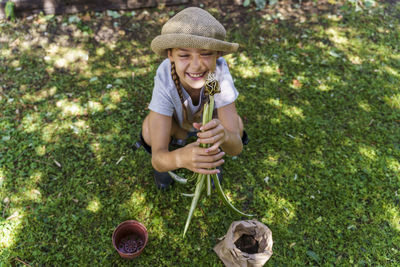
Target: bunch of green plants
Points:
(203, 181)
(10, 10)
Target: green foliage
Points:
(320, 102)
(360, 5)
(10, 10)
(259, 3)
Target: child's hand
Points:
(213, 133)
(198, 159)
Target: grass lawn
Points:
(320, 98)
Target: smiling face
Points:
(193, 65)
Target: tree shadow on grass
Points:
(326, 145)
(322, 132)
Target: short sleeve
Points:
(161, 100)
(228, 93)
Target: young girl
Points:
(192, 42)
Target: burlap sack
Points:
(232, 256)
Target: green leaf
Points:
(313, 255)
(246, 3)
(177, 178)
(9, 10)
(225, 199)
(333, 53)
(195, 199)
(260, 4)
(273, 2)
(369, 3)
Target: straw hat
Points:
(193, 27)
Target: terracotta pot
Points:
(130, 238)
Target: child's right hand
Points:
(196, 159)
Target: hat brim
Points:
(162, 43)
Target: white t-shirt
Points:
(165, 99)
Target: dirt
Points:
(248, 244)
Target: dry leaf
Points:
(296, 83)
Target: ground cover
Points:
(319, 94)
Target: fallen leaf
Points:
(296, 83)
(57, 163)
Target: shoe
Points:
(163, 180)
(245, 138)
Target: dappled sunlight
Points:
(290, 111)
(143, 71)
(337, 36)
(94, 107)
(33, 195)
(79, 127)
(65, 57)
(29, 192)
(393, 164)
(51, 130)
(293, 112)
(15, 63)
(97, 150)
(13, 223)
(248, 71)
(36, 177)
(395, 56)
(393, 216)
(391, 71)
(100, 51)
(116, 95)
(323, 87)
(393, 101)
(94, 205)
(31, 122)
(355, 59)
(11, 228)
(40, 150)
(6, 53)
(40, 95)
(69, 108)
(111, 106)
(137, 200)
(140, 209)
(367, 151)
(280, 210)
(318, 98)
(364, 106)
(271, 160)
(37, 40)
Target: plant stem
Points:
(195, 199)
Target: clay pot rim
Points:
(137, 253)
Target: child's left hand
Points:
(213, 133)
